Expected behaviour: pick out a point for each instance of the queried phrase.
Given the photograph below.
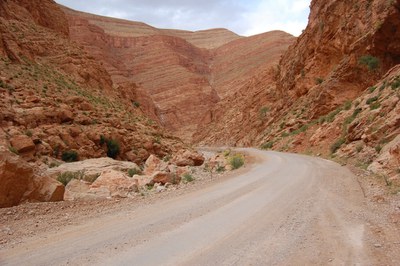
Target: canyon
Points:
(75, 84)
(121, 137)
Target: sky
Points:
(244, 17)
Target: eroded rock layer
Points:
(179, 75)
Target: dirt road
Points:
(285, 210)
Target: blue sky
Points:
(245, 17)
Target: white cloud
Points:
(284, 15)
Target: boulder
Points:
(15, 176)
(78, 190)
(164, 178)
(188, 158)
(142, 180)
(65, 116)
(45, 189)
(18, 183)
(22, 143)
(153, 164)
(117, 184)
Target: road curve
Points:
(287, 210)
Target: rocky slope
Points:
(59, 98)
(58, 102)
(178, 75)
(309, 101)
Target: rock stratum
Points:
(178, 75)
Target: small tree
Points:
(69, 156)
(113, 148)
(370, 61)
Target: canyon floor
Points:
(281, 209)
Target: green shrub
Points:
(396, 83)
(134, 171)
(54, 164)
(378, 148)
(136, 104)
(347, 105)
(227, 153)
(113, 148)
(371, 62)
(69, 156)
(268, 145)
(331, 116)
(285, 134)
(220, 169)
(335, 146)
(102, 140)
(351, 118)
(371, 89)
(319, 80)
(188, 177)
(66, 177)
(13, 150)
(375, 105)
(263, 112)
(372, 99)
(236, 161)
(28, 133)
(303, 128)
(91, 178)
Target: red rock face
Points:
(339, 33)
(179, 75)
(316, 75)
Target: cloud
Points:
(245, 17)
(287, 15)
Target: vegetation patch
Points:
(69, 156)
(113, 148)
(134, 171)
(396, 83)
(372, 100)
(351, 118)
(347, 105)
(13, 150)
(267, 146)
(236, 161)
(337, 144)
(263, 112)
(375, 105)
(220, 169)
(319, 80)
(371, 89)
(371, 62)
(188, 178)
(66, 177)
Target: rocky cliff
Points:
(308, 102)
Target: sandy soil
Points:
(287, 210)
